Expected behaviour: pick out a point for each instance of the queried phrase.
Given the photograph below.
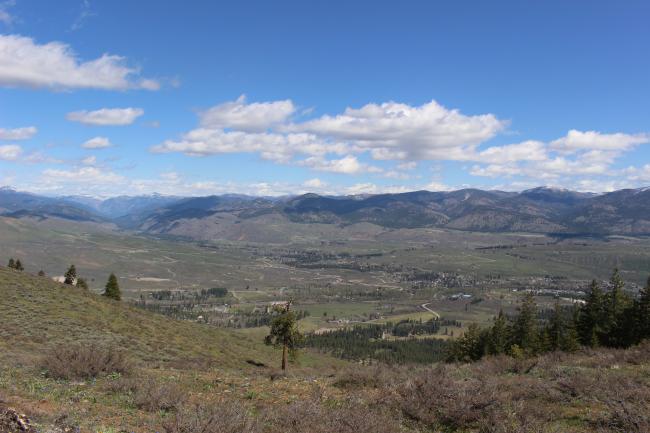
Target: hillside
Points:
(185, 377)
(165, 357)
(39, 313)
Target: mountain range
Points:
(538, 210)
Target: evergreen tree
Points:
(570, 341)
(82, 284)
(592, 316)
(498, 340)
(284, 332)
(525, 333)
(617, 304)
(556, 329)
(19, 265)
(643, 313)
(70, 276)
(11, 264)
(112, 289)
(470, 347)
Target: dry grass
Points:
(313, 415)
(148, 393)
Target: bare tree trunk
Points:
(284, 357)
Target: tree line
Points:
(609, 317)
(369, 342)
(70, 278)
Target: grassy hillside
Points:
(38, 313)
(167, 359)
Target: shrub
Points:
(84, 361)
(227, 417)
(153, 396)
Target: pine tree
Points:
(284, 332)
(11, 264)
(643, 313)
(19, 265)
(498, 340)
(525, 333)
(570, 341)
(112, 289)
(70, 276)
(592, 316)
(617, 304)
(82, 284)
(556, 328)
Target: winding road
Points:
(436, 315)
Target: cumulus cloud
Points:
(398, 131)
(10, 152)
(54, 66)
(402, 133)
(593, 140)
(576, 159)
(346, 165)
(527, 151)
(272, 146)
(18, 133)
(106, 116)
(97, 143)
(390, 131)
(240, 116)
(314, 183)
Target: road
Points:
(436, 315)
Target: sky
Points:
(192, 98)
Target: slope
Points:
(37, 313)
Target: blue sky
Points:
(267, 98)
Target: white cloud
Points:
(346, 165)
(276, 147)
(18, 133)
(389, 131)
(106, 116)
(314, 183)
(527, 151)
(397, 131)
(594, 140)
(25, 63)
(437, 186)
(97, 143)
(89, 175)
(495, 170)
(240, 116)
(10, 152)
